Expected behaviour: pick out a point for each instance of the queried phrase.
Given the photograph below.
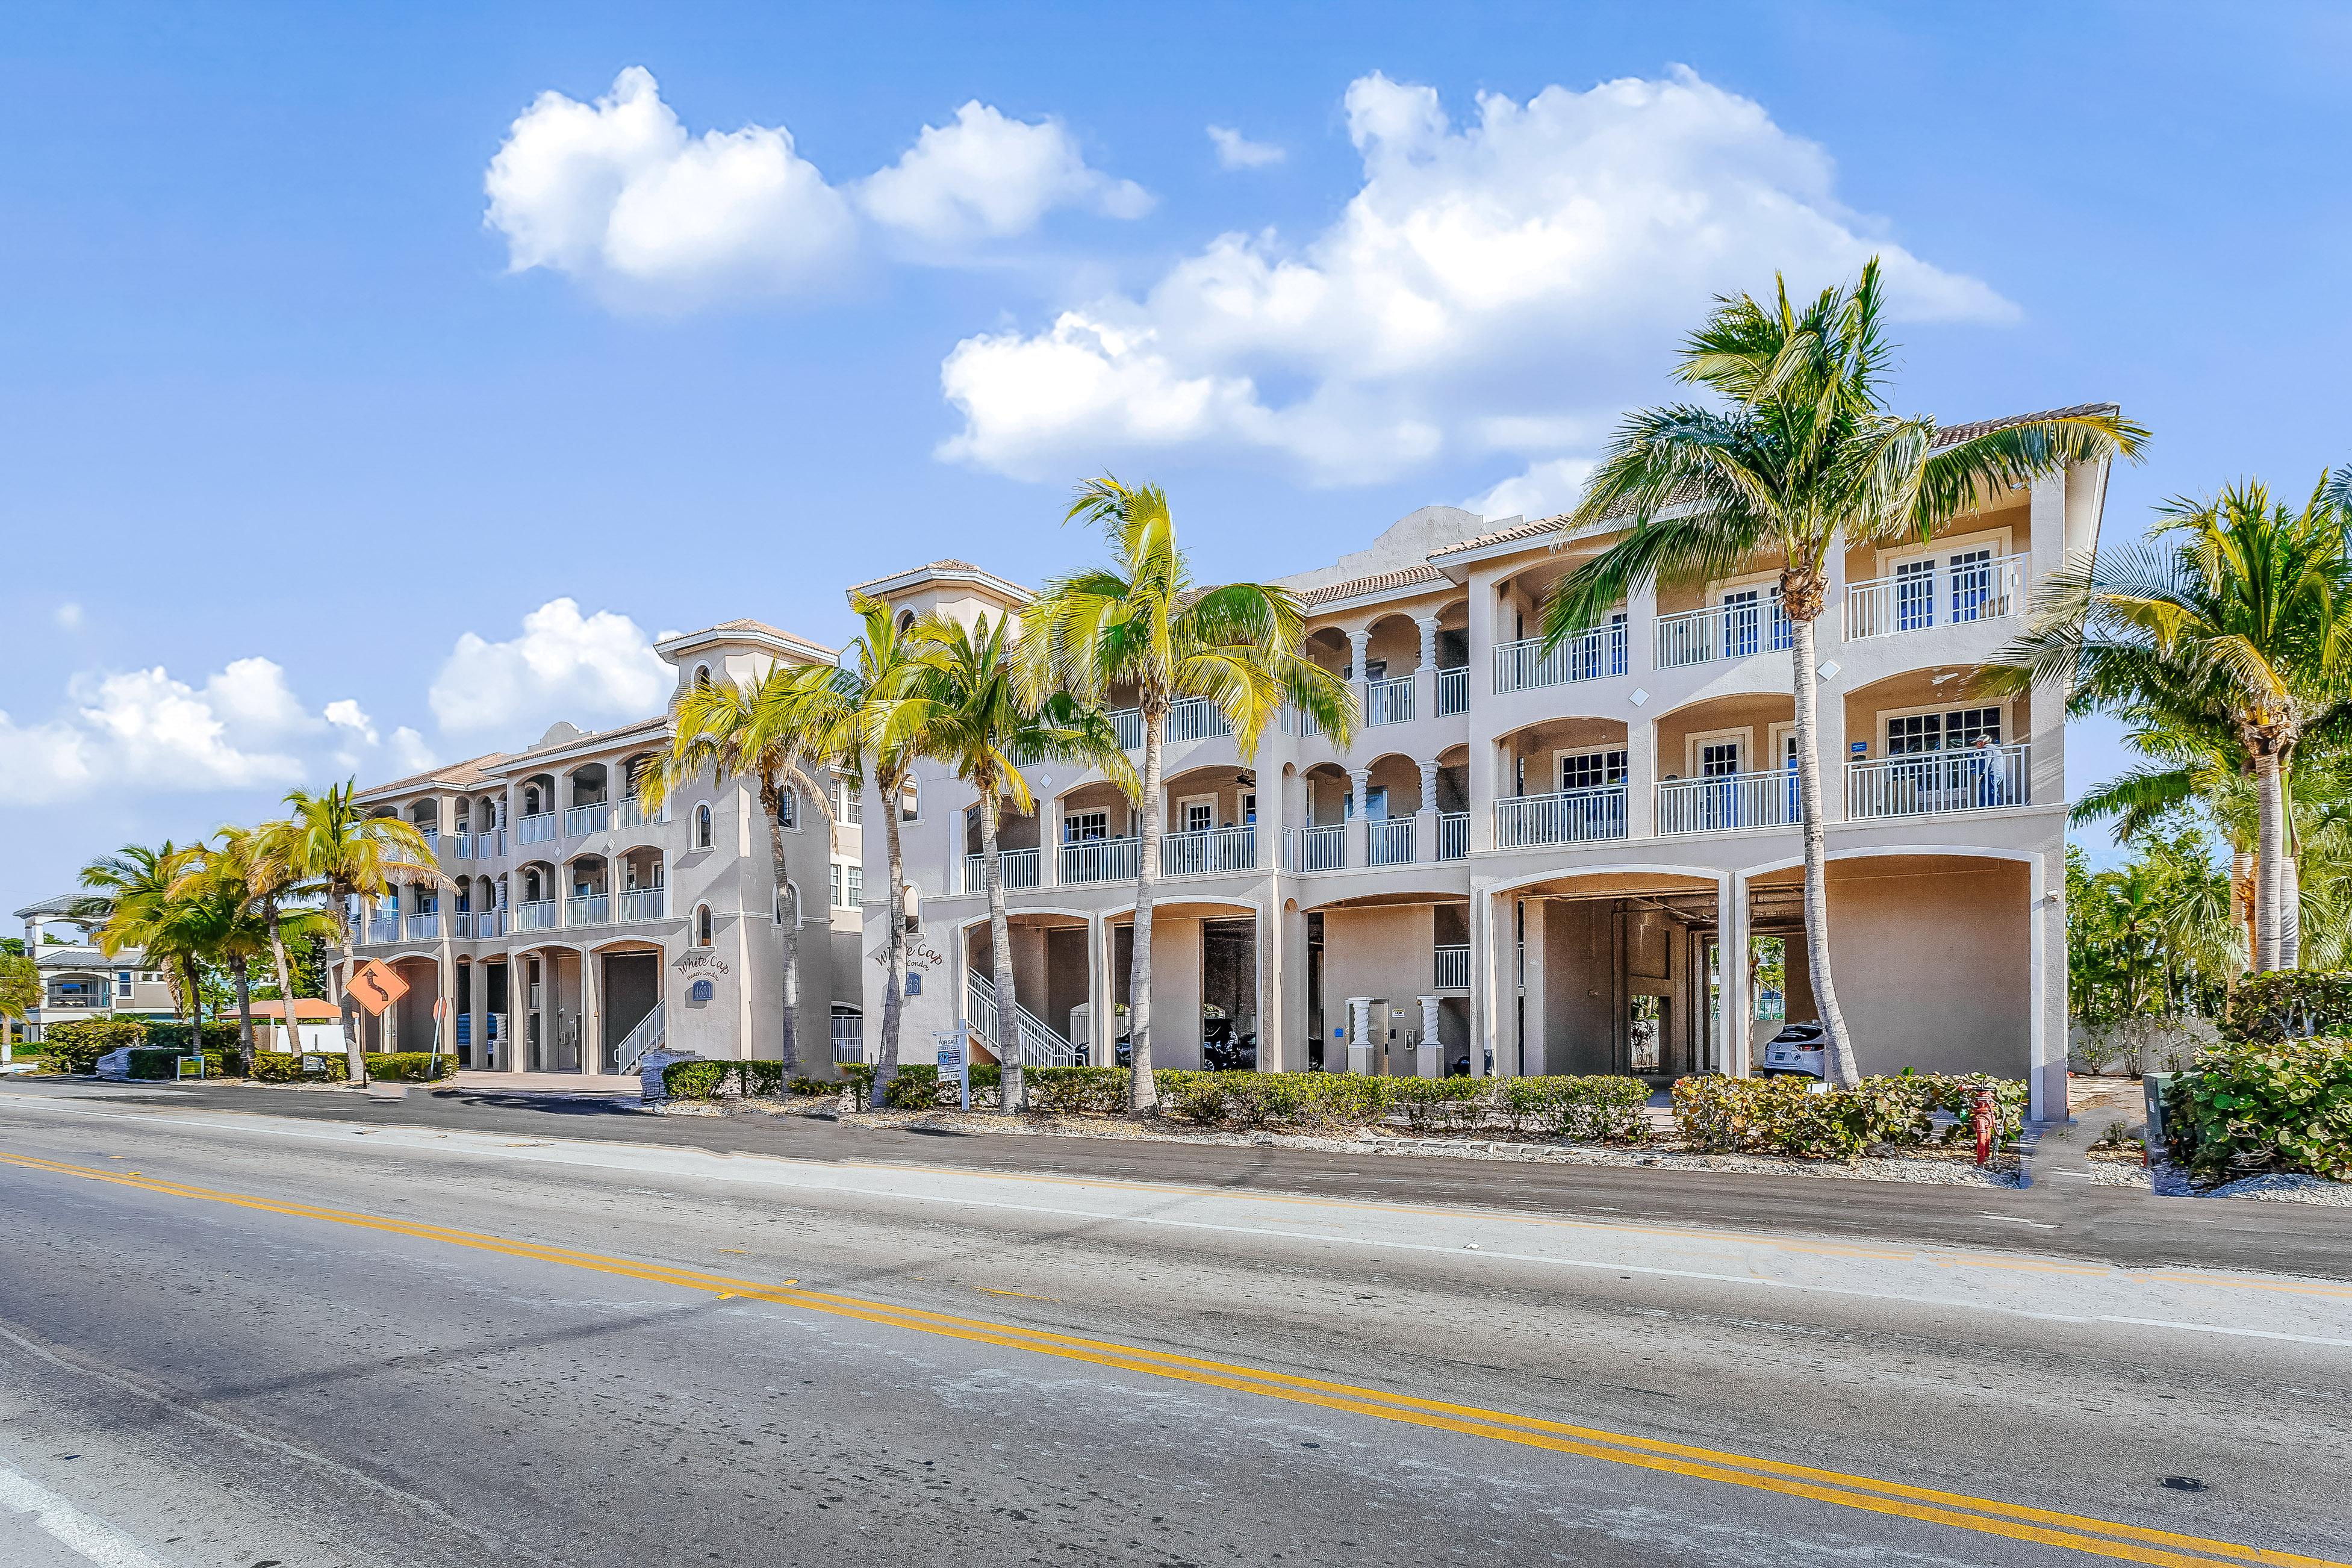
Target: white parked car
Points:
(1797, 1051)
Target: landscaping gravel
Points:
(2282, 1188)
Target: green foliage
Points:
(694, 1079)
(164, 1062)
(76, 1047)
(20, 984)
(1076, 1091)
(1788, 1115)
(1436, 1104)
(916, 1088)
(409, 1067)
(2270, 1106)
(2287, 1003)
(286, 1067)
(2153, 936)
(814, 1086)
(220, 1035)
(1586, 1109)
(859, 1076)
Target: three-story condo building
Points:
(1584, 859)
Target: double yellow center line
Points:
(2015, 1521)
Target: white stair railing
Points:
(1040, 1046)
(650, 1034)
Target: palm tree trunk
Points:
(241, 971)
(771, 801)
(894, 984)
(1142, 1090)
(285, 977)
(2266, 861)
(354, 1067)
(999, 940)
(2289, 872)
(1844, 1068)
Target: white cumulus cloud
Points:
(1236, 150)
(1505, 286)
(1545, 489)
(619, 194)
(564, 664)
(987, 177)
(144, 732)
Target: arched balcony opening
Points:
(1019, 838)
(540, 821)
(1923, 743)
(1098, 834)
(1564, 780)
(538, 908)
(588, 807)
(644, 894)
(1211, 821)
(1728, 763)
(587, 891)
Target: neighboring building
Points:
(77, 979)
(1527, 863)
(1532, 862)
(580, 930)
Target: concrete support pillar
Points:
(1049, 843)
(1102, 1018)
(1643, 769)
(1489, 995)
(1268, 993)
(2046, 1098)
(592, 1017)
(1642, 628)
(1363, 1045)
(1534, 1039)
(1429, 1059)
(1733, 1004)
(1289, 1045)
(2042, 722)
(1425, 677)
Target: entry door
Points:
(1914, 595)
(1741, 622)
(1720, 759)
(1971, 578)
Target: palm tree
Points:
(750, 730)
(858, 720)
(241, 891)
(1805, 461)
(328, 839)
(1142, 621)
(2249, 609)
(985, 726)
(137, 900)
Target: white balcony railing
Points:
(1041, 1046)
(1207, 852)
(1723, 631)
(424, 926)
(588, 910)
(1194, 719)
(489, 845)
(537, 828)
(1388, 842)
(1571, 816)
(541, 914)
(461, 845)
(593, 818)
(1929, 782)
(1453, 691)
(1937, 594)
(1389, 701)
(1323, 848)
(1102, 860)
(1017, 866)
(642, 904)
(1127, 723)
(383, 928)
(1524, 666)
(630, 813)
(1453, 969)
(1453, 836)
(1728, 803)
(1297, 721)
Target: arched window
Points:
(702, 677)
(702, 934)
(914, 909)
(906, 622)
(702, 826)
(788, 897)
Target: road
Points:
(435, 1331)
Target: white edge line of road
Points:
(93, 1538)
(423, 1140)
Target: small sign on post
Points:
(955, 1059)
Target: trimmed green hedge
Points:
(1075, 1091)
(2285, 1106)
(918, 1087)
(286, 1067)
(2287, 1004)
(698, 1079)
(1786, 1116)
(220, 1035)
(76, 1047)
(408, 1067)
(164, 1061)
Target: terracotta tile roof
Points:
(457, 775)
(1379, 582)
(748, 624)
(949, 563)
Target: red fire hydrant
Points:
(1983, 1119)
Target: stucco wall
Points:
(1932, 968)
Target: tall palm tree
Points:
(986, 726)
(1801, 460)
(2237, 599)
(241, 892)
(1142, 621)
(328, 839)
(860, 721)
(136, 900)
(750, 731)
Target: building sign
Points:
(697, 960)
(702, 991)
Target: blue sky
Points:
(338, 355)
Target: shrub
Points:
(693, 1079)
(76, 1047)
(1787, 1116)
(761, 1078)
(2283, 1106)
(1076, 1091)
(220, 1035)
(409, 1067)
(2287, 1004)
(286, 1067)
(1600, 1110)
(859, 1076)
(1436, 1104)
(148, 1062)
(916, 1087)
(805, 1086)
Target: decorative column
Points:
(1049, 836)
(1425, 827)
(1485, 987)
(1355, 846)
(1362, 1046)
(1429, 1060)
(1424, 681)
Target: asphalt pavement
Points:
(323, 1328)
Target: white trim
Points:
(1184, 801)
(1767, 582)
(1745, 734)
(1878, 738)
(1560, 756)
(1893, 556)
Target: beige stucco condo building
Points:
(1534, 863)
(1527, 863)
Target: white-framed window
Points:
(702, 925)
(122, 984)
(911, 801)
(914, 909)
(848, 805)
(1718, 754)
(1941, 730)
(787, 808)
(1085, 827)
(1196, 813)
(852, 878)
(1590, 770)
(702, 826)
(702, 677)
(1249, 808)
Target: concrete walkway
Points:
(2059, 1153)
(545, 1083)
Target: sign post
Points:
(955, 1057)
